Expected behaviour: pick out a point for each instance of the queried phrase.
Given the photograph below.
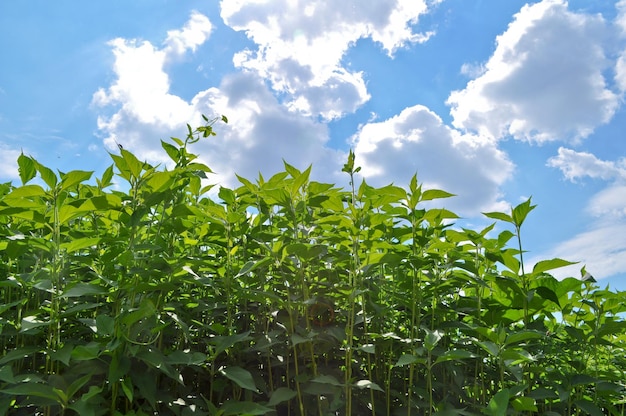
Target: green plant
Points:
(284, 296)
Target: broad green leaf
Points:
(26, 191)
(80, 243)
(77, 385)
(545, 265)
(222, 343)
(74, 177)
(106, 178)
(281, 394)
(18, 354)
(127, 388)
(145, 310)
(47, 175)
(26, 168)
(6, 374)
(232, 408)
(252, 265)
(521, 336)
(132, 163)
(240, 376)
(406, 359)
(160, 181)
(499, 216)
(431, 194)
(171, 150)
(63, 355)
(498, 404)
(300, 180)
(454, 355)
(432, 338)
(86, 352)
(227, 195)
(31, 322)
(325, 379)
(520, 212)
(83, 289)
(589, 407)
(34, 389)
(524, 404)
(548, 294)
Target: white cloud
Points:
(576, 165)
(194, 34)
(142, 85)
(8, 162)
(301, 46)
(620, 66)
(260, 134)
(602, 250)
(609, 204)
(416, 141)
(544, 81)
(602, 247)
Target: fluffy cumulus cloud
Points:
(261, 131)
(545, 79)
(142, 85)
(417, 141)
(602, 247)
(8, 162)
(301, 45)
(620, 67)
(577, 165)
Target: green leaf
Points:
(431, 194)
(6, 374)
(243, 409)
(325, 379)
(83, 289)
(589, 407)
(47, 175)
(545, 265)
(520, 336)
(26, 168)
(521, 211)
(367, 384)
(127, 387)
(18, 354)
(432, 338)
(498, 404)
(499, 216)
(252, 265)
(406, 359)
(132, 163)
(524, 404)
(106, 178)
(160, 181)
(171, 150)
(34, 389)
(243, 378)
(454, 355)
(80, 243)
(222, 343)
(547, 293)
(74, 177)
(281, 394)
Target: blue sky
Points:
(492, 100)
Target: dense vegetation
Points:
(284, 296)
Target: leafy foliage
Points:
(284, 296)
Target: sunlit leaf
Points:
(240, 376)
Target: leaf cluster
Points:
(284, 296)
